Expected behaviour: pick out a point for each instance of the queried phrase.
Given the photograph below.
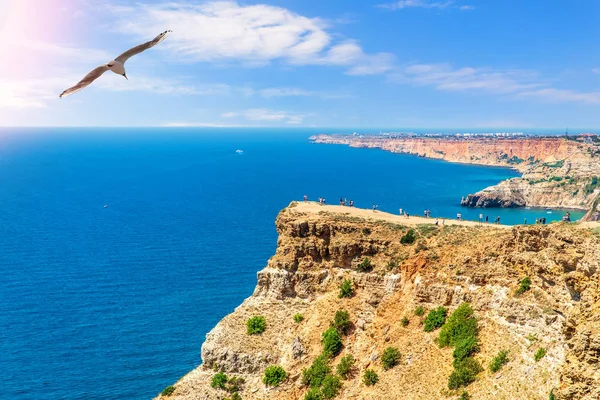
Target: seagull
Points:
(117, 65)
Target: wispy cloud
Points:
(267, 115)
(445, 77)
(297, 92)
(466, 8)
(161, 86)
(560, 95)
(401, 4)
(219, 31)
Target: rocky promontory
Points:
(534, 292)
(557, 172)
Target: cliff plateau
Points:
(320, 246)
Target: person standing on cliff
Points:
(305, 198)
(486, 219)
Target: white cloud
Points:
(297, 92)
(466, 8)
(266, 115)
(561, 95)
(401, 4)
(251, 34)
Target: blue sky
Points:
(337, 63)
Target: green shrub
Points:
(332, 343)
(313, 394)
(298, 318)
(524, 285)
(409, 237)
(551, 396)
(464, 373)
(316, 373)
(390, 358)
(256, 325)
(370, 377)
(435, 319)
(167, 391)
(461, 325)
(346, 366)
(464, 396)
(346, 289)
(274, 375)
(499, 361)
(331, 386)
(219, 381)
(365, 265)
(404, 321)
(539, 354)
(341, 322)
(465, 348)
(419, 311)
(366, 231)
(235, 396)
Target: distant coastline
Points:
(557, 172)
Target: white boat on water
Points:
(240, 151)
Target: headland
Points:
(556, 172)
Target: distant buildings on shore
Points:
(582, 137)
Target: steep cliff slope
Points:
(321, 246)
(556, 172)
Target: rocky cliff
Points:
(320, 246)
(556, 172)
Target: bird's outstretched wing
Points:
(138, 49)
(89, 78)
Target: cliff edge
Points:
(320, 247)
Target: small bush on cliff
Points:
(234, 384)
(219, 381)
(346, 366)
(167, 391)
(346, 289)
(419, 311)
(404, 321)
(461, 332)
(366, 231)
(464, 373)
(435, 319)
(551, 396)
(370, 377)
(409, 237)
(332, 343)
(365, 265)
(331, 386)
(274, 375)
(341, 322)
(524, 285)
(234, 396)
(256, 325)
(539, 354)
(298, 318)
(313, 394)
(464, 396)
(314, 375)
(499, 361)
(390, 358)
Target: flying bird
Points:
(117, 65)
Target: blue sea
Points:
(114, 302)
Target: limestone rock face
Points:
(319, 247)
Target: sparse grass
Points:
(298, 318)
(427, 230)
(346, 289)
(168, 391)
(435, 319)
(390, 358)
(532, 337)
(464, 396)
(365, 265)
(539, 354)
(499, 361)
(524, 285)
(256, 325)
(346, 366)
(420, 311)
(274, 375)
(370, 377)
